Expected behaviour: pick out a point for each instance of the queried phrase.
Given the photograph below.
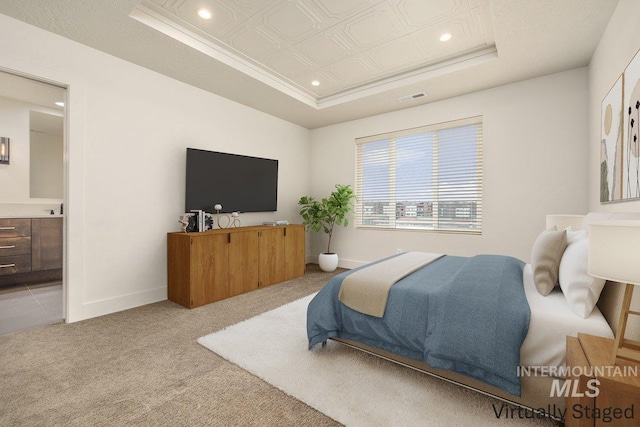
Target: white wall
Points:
(534, 164)
(128, 130)
(14, 124)
(15, 180)
(617, 47)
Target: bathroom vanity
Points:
(30, 249)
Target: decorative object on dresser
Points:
(276, 222)
(4, 150)
(613, 255)
(196, 221)
(30, 250)
(600, 394)
(324, 215)
(218, 264)
(230, 220)
(187, 222)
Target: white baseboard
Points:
(342, 263)
(124, 302)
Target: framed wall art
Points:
(630, 141)
(611, 119)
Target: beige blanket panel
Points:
(367, 290)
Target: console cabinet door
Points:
(209, 269)
(179, 261)
(294, 252)
(46, 244)
(243, 261)
(272, 256)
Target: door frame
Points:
(73, 217)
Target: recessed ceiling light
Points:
(204, 14)
(445, 37)
(60, 104)
(315, 83)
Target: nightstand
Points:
(600, 394)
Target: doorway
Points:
(31, 203)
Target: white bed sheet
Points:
(551, 321)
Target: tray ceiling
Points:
(367, 54)
(348, 48)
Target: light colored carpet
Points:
(143, 367)
(349, 386)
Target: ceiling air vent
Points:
(412, 97)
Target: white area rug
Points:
(349, 386)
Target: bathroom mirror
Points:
(45, 156)
(32, 116)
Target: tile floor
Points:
(26, 306)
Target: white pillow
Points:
(581, 290)
(545, 259)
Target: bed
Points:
(549, 320)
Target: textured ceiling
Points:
(532, 37)
(342, 45)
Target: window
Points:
(427, 178)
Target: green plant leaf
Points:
(329, 211)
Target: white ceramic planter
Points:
(328, 262)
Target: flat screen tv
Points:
(238, 183)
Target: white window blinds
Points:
(427, 178)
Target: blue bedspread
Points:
(468, 315)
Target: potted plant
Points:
(324, 215)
